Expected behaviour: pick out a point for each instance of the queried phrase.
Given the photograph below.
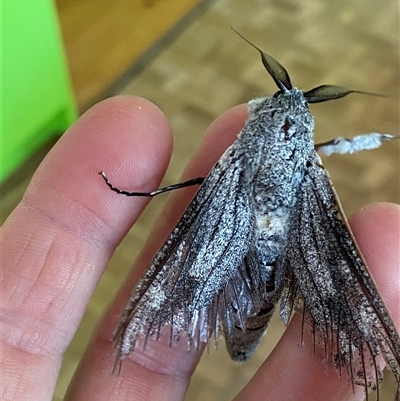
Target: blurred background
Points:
(67, 55)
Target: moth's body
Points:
(266, 227)
(278, 140)
(278, 133)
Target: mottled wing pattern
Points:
(181, 287)
(328, 277)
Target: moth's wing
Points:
(195, 263)
(328, 277)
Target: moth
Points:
(266, 228)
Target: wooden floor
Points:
(103, 38)
(207, 69)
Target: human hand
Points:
(57, 242)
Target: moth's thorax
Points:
(278, 139)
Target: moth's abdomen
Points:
(242, 342)
(243, 333)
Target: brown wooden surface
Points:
(103, 38)
(208, 69)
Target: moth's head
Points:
(281, 77)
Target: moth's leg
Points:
(361, 142)
(189, 183)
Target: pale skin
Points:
(57, 243)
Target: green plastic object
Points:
(36, 98)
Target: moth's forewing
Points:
(328, 277)
(180, 289)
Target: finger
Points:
(161, 372)
(59, 239)
(377, 228)
(295, 373)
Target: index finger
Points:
(58, 240)
(161, 372)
